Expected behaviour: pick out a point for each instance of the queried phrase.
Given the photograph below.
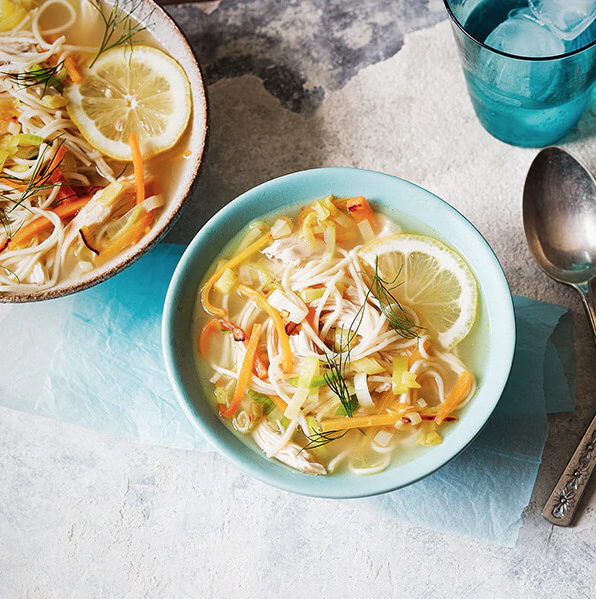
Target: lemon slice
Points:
(435, 282)
(141, 90)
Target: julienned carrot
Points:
(137, 163)
(18, 185)
(245, 373)
(360, 209)
(279, 402)
(259, 244)
(416, 355)
(219, 324)
(73, 70)
(66, 192)
(454, 398)
(138, 225)
(343, 424)
(310, 318)
(284, 340)
(54, 162)
(40, 224)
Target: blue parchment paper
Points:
(98, 364)
(483, 491)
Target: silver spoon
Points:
(560, 222)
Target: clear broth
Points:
(473, 350)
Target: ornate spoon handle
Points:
(562, 504)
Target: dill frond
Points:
(5, 222)
(335, 373)
(40, 178)
(46, 76)
(12, 273)
(317, 439)
(120, 27)
(398, 318)
(121, 174)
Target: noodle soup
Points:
(331, 338)
(94, 137)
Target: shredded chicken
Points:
(290, 454)
(290, 250)
(388, 227)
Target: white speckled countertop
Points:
(87, 516)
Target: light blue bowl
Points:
(394, 194)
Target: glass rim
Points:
(455, 20)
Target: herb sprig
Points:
(399, 320)
(120, 26)
(317, 439)
(6, 224)
(11, 273)
(46, 76)
(120, 29)
(41, 179)
(335, 373)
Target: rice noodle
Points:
(28, 45)
(345, 304)
(60, 28)
(338, 459)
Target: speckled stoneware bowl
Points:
(492, 351)
(173, 41)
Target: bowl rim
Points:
(129, 256)
(302, 484)
(461, 26)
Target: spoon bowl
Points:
(560, 216)
(560, 223)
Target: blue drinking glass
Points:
(523, 101)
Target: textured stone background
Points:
(270, 65)
(301, 50)
(297, 85)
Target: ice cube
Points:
(566, 18)
(585, 38)
(523, 35)
(517, 81)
